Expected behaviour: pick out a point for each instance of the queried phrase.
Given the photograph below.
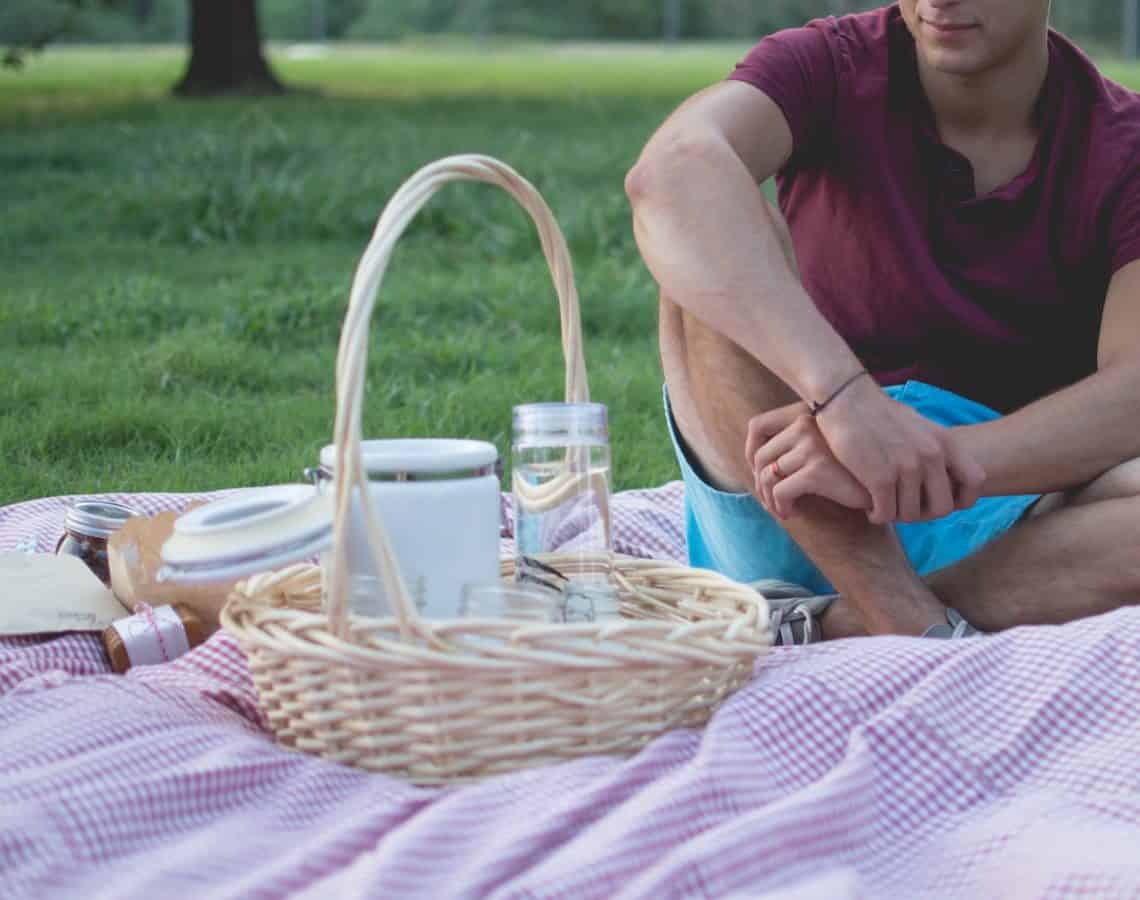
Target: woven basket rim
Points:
(254, 614)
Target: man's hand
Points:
(912, 469)
(796, 463)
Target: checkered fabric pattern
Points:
(1006, 766)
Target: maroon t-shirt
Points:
(998, 297)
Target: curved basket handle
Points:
(352, 357)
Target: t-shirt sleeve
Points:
(1124, 225)
(796, 69)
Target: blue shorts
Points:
(733, 534)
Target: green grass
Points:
(175, 272)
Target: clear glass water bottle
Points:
(561, 486)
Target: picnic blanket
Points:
(1006, 766)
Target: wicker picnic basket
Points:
(446, 701)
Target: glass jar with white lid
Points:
(560, 482)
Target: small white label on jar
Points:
(153, 636)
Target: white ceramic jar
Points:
(439, 502)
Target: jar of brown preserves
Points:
(89, 525)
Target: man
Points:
(961, 191)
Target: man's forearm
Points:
(706, 234)
(1064, 440)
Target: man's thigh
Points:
(715, 389)
(1115, 484)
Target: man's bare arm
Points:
(1061, 442)
(1069, 438)
(705, 231)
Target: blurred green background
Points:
(175, 271)
(1095, 23)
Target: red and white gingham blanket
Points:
(1006, 766)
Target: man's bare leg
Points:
(1074, 556)
(1077, 557)
(715, 388)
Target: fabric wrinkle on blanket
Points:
(998, 767)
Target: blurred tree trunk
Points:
(672, 20)
(1131, 29)
(142, 10)
(225, 51)
(319, 20)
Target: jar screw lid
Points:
(98, 518)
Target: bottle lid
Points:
(97, 518)
(412, 458)
(259, 530)
(560, 424)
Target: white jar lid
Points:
(259, 530)
(438, 457)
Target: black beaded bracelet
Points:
(817, 408)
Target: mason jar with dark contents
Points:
(89, 525)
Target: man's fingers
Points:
(765, 481)
(785, 493)
(758, 476)
(829, 481)
(969, 478)
(795, 459)
(910, 494)
(763, 428)
(884, 501)
(869, 464)
(770, 483)
(939, 493)
(777, 466)
(773, 449)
